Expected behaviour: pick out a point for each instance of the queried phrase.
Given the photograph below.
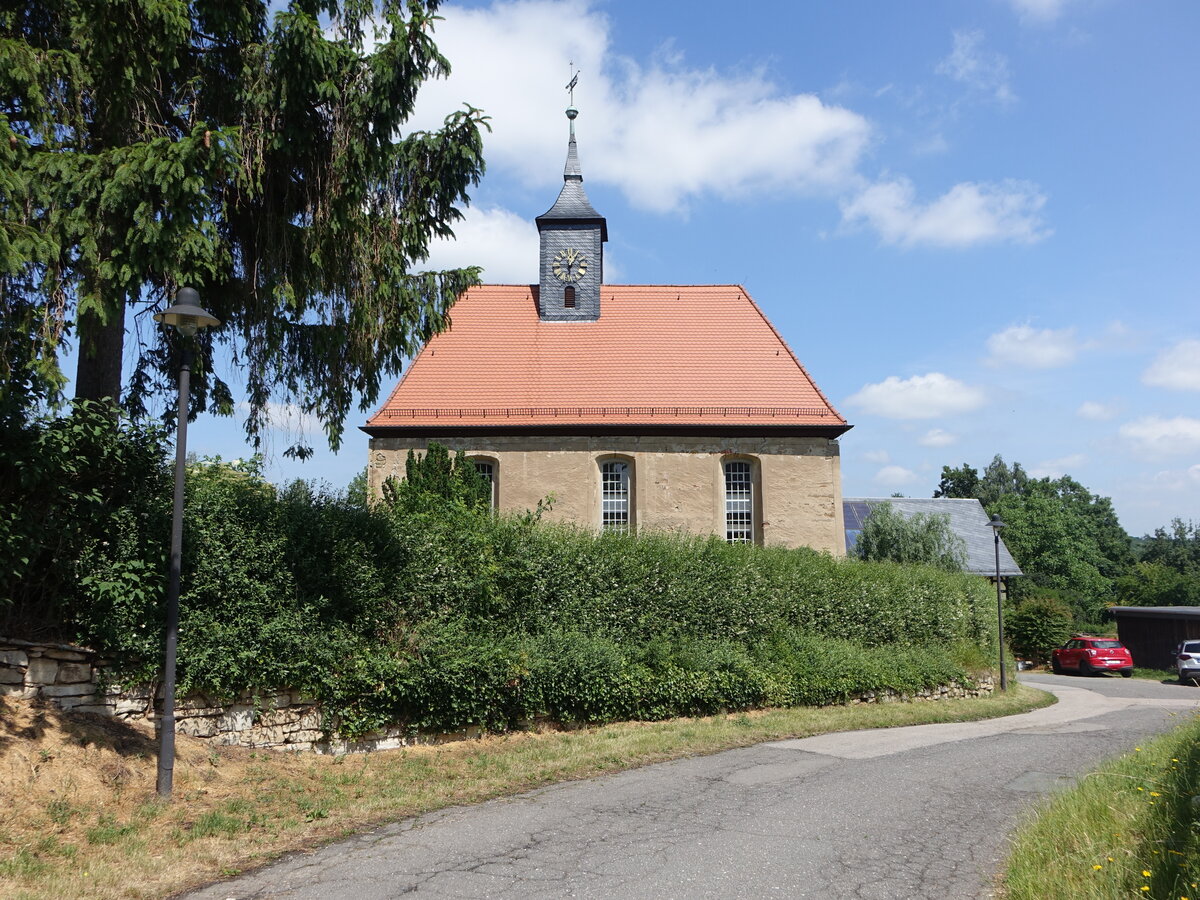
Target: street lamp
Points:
(996, 525)
(187, 317)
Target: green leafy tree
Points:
(922, 538)
(1062, 535)
(1051, 547)
(999, 480)
(1037, 626)
(1177, 547)
(959, 483)
(263, 161)
(1157, 584)
(358, 490)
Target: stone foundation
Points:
(70, 678)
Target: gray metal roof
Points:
(1156, 612)
(572, 203)
(967, 520)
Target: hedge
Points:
(429, 612)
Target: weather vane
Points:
(574, 81)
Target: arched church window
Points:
(487, 468)
(739, 502)
(615, 502)
(569, 296)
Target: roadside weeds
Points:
(83, 819)
(1129, 829)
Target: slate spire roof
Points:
(572, 204)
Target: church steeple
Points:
(572, 246)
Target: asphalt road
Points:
(917, 812)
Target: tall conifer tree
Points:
(153, 144)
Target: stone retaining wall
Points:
(69, 677)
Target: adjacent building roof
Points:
(1156, 612)
(967, 520)
(658, 356)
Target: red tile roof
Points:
(658, 355)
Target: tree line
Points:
(1071, 546)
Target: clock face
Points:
(569, 265)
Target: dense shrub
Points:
(430, 611)
(1037, 626)
(84, 512)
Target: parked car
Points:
(1087, 655)
(1187, 660)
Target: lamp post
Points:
(996, 525)
(187, 317)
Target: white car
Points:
(1187, 660)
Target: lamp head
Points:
(187, 316)
(995, 524)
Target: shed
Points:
(1153, 632)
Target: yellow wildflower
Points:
(1145, 873)
(1097, 867)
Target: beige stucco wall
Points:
(677, 483)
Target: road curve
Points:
(921, 811)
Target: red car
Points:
(1088, 655)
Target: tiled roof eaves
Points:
(585, 428)
(600, 413)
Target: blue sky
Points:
(974, 223)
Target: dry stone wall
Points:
(70, 678)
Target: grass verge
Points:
(82, 819)
(1130, 829)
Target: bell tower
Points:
(572, 236)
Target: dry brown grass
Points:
(82, 819)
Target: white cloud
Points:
(1157, 436)
(662, 131)
(1175, 480)
(936, 437)
(286, 422)
(1032, 348)
(919, 397)
(979, 69)
(503, 243)
(1055, 468)
(1097, 412)
(666, 133)
(895, 476)
(966, 215)
(877, 456)
(1177, 368)
(1039, 11)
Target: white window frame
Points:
(739, 501)
(486, 462)
(616, 495)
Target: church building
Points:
(635, 407)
